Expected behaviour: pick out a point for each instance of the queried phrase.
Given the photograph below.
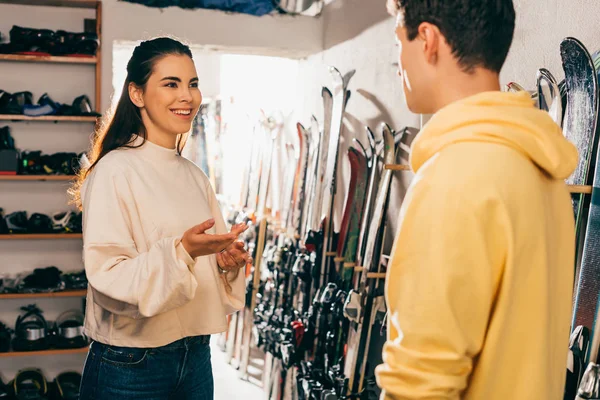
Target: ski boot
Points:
(16, 222)
(39, 223)
(36, 40)
(31, 163)
(31, 330)
(6, 140)
(30, 383)
(352, 306)
(3, 227)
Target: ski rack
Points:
(358, 268)
(370, 275)
(247, 334)
(582, 189)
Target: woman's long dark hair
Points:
(118, 128)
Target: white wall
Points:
(541, 25)
(376, 91)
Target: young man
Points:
(479, 289)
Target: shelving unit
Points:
(48, 59)
(93, 61)
(40, 178)
(66, 293)
(44, 236)
(82, 350)
(30, 63)
(46, 118)
(55, 3)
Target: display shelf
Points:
(397, 167)
(46, 118)
(54, 3)
(41, 178)
(44, 352)
(66, 293)
(31, 236)
(48, 59)
(585, 189)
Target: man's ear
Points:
(135, 94)
(431, 37)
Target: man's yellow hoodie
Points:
(479, 289)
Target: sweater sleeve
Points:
(232, 300)
(443, 259)
(126, 281)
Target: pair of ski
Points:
(365, 302)
(581, 96)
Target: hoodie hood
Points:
(509, 119)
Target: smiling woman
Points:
(150, 62)
(169, 100)
(158, 286)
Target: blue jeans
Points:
(180, 370)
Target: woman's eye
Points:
(194, 85)
(171, 85)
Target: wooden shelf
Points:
(44, 352)
(48, 59)
(397, 167)
(66, 293)
(580, 189)
(41, 178)
(54, 3)
(51, 118)
(31, 236)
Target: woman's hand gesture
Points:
(198, 243)
(233, 257)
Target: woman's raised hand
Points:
(199, 243)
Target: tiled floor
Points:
(228, 385)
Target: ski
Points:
(549, 95)
(370, 261)
(355, 204)
(580, 123)
(578, 344)
(257, 179)
(290, 185)
(375, 304)
(315, 214)
(300, 181)
(322, 239)
(311, 176)
(341, 96)
(326, 216)
(372, 166)
(272, 131)
(590, 382)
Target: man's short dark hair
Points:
(479, 32)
